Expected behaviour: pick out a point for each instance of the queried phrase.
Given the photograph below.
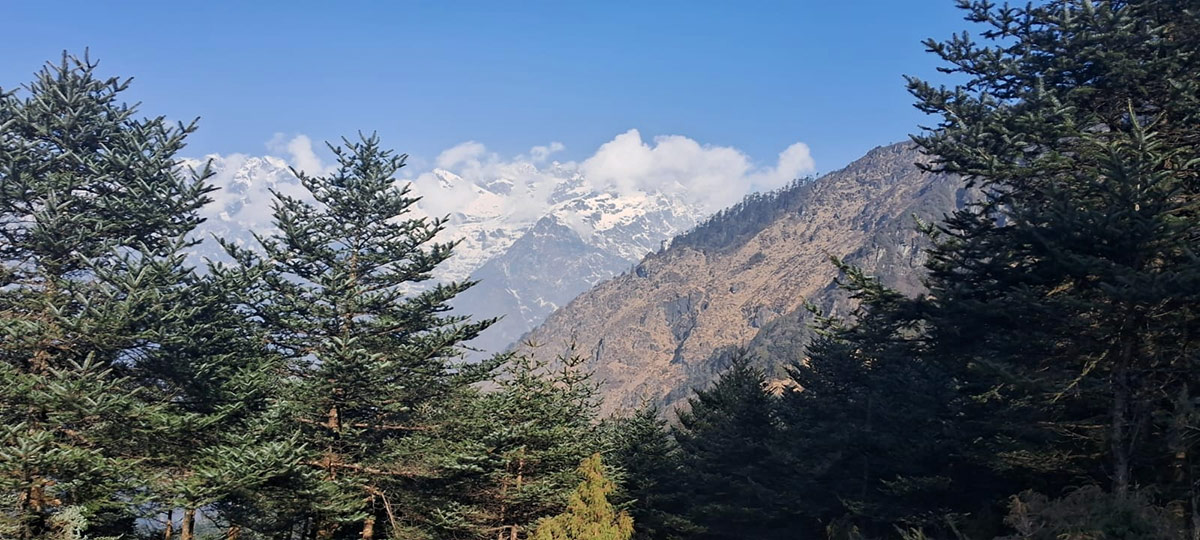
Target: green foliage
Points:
(729, 440)
(1067, 297)
(652, 486)
(95, 213)
(313, 389)
(1087, 513)
(371, 356)
(1055, 345)
(517, 448)
(589, 515)
(879, 436)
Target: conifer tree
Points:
(728, 438)
(224, 387)
(521, 445)
(652, 486)
(589, 515)
(1060, 315)
(879, 436)
(1070, 291)
(95, 214)
(371, 353)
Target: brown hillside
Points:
(668, 326)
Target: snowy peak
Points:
(488, 213)
(534, 237)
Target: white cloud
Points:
(467, 154)
(521, 187)
(539, 154)
(299, 150)
(712, 176)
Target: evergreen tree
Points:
(520, 448)
(95, 215)
(224, 387)
(589, 515)
(1069, 293)
(879, 435)
(1056, 345)
(371, 355)
(652, 486)
(728, 439)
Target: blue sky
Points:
(755, 76)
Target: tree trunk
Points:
(368, 531)
(1121, 445)
(170, 530)
(187, 529)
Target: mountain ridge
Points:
(669, 325)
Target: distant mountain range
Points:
(534, 241)
(742, 279)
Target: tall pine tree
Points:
(652, 486)
(372, 354)
(1059, 327)
(95, 213)
(729, 438)
(1070, 291)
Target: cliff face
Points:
(742, 280)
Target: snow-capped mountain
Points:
(581, 241)
(242, 205)
(533, 236)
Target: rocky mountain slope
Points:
(742, 279)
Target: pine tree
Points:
(728, 438)
(228, 442)
(652, 486)
(880, 436)
(589, 515)
(95, 215)
(1070, 291)
(1057, 341)
(520, 446)
(371, 352)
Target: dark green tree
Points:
(728, 438)
(95, 215)
(879, 435)
(1069, 292)
(1058, 335)
(228, 442)
(523, 442)
(652, 486)
(372, 355)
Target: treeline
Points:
(731, 227)
(1043, 387)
